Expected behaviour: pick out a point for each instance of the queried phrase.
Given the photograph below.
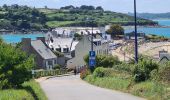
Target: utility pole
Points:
(136, 36)
(92, 38)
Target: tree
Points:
(115, 31)
(99, 8)
(15, 66)
(77, 36)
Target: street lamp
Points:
(136, 36)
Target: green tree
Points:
(15, 66)
(115, 31)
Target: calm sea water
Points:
(15, 38)
(163, 22)
(157, 31)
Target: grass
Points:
(109, 82)
(58, 23)
(29, 91)
(149, 89)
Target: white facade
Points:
(101, 47)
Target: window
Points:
(55, 61)
(58, 49)
(50, 63)
(66, 50)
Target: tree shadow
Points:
(31, 91)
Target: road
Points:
(73, 88)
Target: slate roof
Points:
(40, 47)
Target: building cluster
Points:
(61, 40)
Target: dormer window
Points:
(65, 50)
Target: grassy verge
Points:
(58, 23)
(30, 91)
(149, 89)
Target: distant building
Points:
(70, 31)
(44, 57)
(164, 56)
(101, 47)
(131, 36)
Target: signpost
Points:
(92, 60)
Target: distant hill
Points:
(77, 16)
(16, 17)
(152, 15)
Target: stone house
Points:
(44, 57)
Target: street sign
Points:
(92, 54)
(92, 62)
(92, 58)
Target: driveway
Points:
(73, 88)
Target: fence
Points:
(43, 73)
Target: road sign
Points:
(92, 62)
(92, 54)
(92, 58)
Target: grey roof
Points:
(40, 47)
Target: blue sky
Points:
(154, 6)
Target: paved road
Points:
(72, 88)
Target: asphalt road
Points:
(73, 88)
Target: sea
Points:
(15, 38)
(161, 31)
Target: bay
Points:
(160, 31)
(15, 38)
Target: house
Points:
(44, 57)
(164, 56)
(131, 36)
(100, 45)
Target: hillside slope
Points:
(77, 16)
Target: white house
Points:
(101, 47)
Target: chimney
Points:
(42, 39)
(26, 44)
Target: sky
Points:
(125, 6)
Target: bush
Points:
(84, 73)
(99, 72)
(164, 72)
(57, 66)
(124, 67)
(143, 69)
(15, 66)
(104, 60)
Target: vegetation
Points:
(15, 66)
(115, 31)
(58, 54)
(146, 79)
(156, 38)
(104, 61)
(77, 36)
(30, 90)
(77, 16)
(43, 73)
(17, 17)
